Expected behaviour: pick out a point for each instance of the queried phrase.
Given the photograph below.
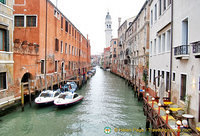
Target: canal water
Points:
(109, 104)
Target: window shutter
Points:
(7, 40)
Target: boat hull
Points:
(43, 104)
(62, 105)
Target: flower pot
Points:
(17, 45)
(24, 46)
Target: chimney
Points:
(119, 20)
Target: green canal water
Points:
(108, 102)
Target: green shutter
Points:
(7, 40)
(3, 1)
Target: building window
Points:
(163, 74)
(154, 46)
(151, 17)
(65, 48)
(169, 2)
(56, 44)
(163, 43)
(155, 11)
(42, 66)
(72, 50)
(56, 13)
(61, 46)
(159, 44)
(185, 32)
(31, 21)
(66, 26)
(160, 7)
(3, 1)
(69, 49)
(167, 81)
(158, 77)
(19, 21)
(168, 39)
(173, 77)
(115, 42)
(61, 22)
(4, 40)
(154, 76)
(3, 84)
(69, 65)
(150, 75)
(183, 87)
(56, 66)
(164, 5)
(69, 29)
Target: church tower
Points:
(108, 29)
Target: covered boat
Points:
(47, 97)
(70, 86)
(67, 98)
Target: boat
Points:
(47, 97)
(67, 98)
(70, 86)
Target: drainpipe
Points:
(171, 53)
(45, 62)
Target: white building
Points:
(108, 29)
(160, 37)
(186, 55)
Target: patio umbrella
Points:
(161, 91)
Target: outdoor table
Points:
(175, 109)
(188, 116)
(198, 128)
(169, 117)
(168, 103)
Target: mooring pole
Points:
(22, 96)
(29, 91)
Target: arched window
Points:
(109, 26)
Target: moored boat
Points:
(67, 98)
(47, 97)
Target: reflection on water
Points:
(108, 102)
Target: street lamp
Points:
(179, 124)
(159, 104)
(167, 114)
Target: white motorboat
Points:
(67, 98)
(47, 97)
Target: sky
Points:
(89, 17)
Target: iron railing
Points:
(181, 50)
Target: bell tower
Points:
(108, 29)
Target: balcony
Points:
(181, 52)
(196, 49)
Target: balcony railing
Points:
(196, 49)
(181, 51)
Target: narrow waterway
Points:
(108, 102)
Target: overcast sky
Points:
(89, 17)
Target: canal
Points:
(108, 102)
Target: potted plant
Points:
(24, 44)
(36, 47)
(17, 43)
(31, 46)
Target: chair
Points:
(179, 114)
